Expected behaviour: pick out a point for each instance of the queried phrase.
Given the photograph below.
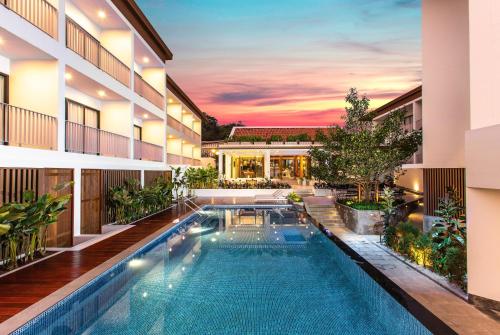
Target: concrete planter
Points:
(237, 193)
(360, 222)
(322, 192)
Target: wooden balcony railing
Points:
(93, 141)
(148, 151)
(40, 13)
(24, 128)
(174, 159)
(148, 92)
(84, 44)
(182, 128)
(174, 124)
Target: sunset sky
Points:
(289, 62)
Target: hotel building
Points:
(276, 153)
(85, 97)
(456, 110)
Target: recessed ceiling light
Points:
(101, 93)
(170, 136)
(146, 115)
(170, 100)
(145, 59)
(2, 41)
(101, 14)
(68, 76)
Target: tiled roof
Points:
(284, 132)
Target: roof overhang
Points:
(181, 95)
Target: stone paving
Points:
(461, 316)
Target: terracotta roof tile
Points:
(267, 132)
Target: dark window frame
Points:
(5, 87)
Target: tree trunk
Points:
(366, 192)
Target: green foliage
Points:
(276, 138)
(248, 138)
(362, 153)
(197, 178)
(294, 197)
(178, 182)
(298, 138)
(253, 184)
(449, 233)
(130, 202)
(23, 226)
(213, 131)
(361, 205)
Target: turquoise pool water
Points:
(233, 271)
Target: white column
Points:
(221, 171)
(77, 200)
(267, 164)
(228, 166)
(61, 85)
(142, 178)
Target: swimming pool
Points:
(232, 270)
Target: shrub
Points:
(455, 264)
(407, 234)
(247, 138)
(276, 138)
(294, 197)
(207, 177)
(298, 138)
(253, 184)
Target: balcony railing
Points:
(182, 128)
(24, 128)
(84, 44)
(40, 13)
(148, 151)
(88, 140)
(174, 159)
(147, 91)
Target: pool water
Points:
(233, 271)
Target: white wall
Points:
(153, 131)
(4, 65)
(445, 79)
(116, 118)
(119, 43)
(34, 85)
(483, 245)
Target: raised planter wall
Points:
(360, 222)
(322, 192)
(239, 193)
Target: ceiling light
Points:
(146, 115)
(101, 93)
(170, 136)
(101, 14)
(68, 76)
(145, 59)
(170, 100)
(2, 41)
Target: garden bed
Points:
(239, 193)
(363, 222)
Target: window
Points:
(81, 114)
(4, 82)
(137, 133)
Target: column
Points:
(221, 171)
(227, 170)
(267, 164)
(77, 197)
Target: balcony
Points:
(148, 151)
(40, 13)
(174, 159)
(88, 140)
(24, 128)
(147, 91)
(84, 44)
(180, 127)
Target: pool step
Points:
(326, 214)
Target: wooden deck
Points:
(24, 287)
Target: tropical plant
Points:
(197, 178)
(294, 197)
(247, 138)
(253, 184)
(449, 236)
(388, 206)
(23, 226)
(130, 202)
(361, 152)
(179, 181)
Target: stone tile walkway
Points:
(461, 316)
